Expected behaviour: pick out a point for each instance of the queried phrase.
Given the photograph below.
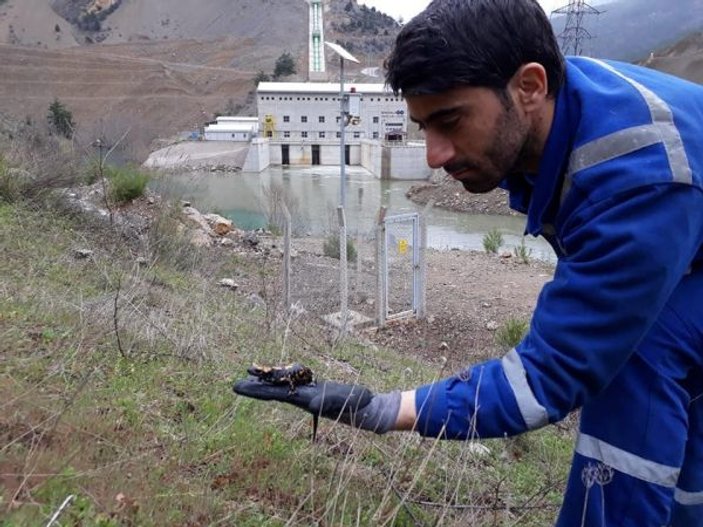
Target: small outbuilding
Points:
(228, 128)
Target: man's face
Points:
(476, 135)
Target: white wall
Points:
(408, 161)
(226, 136)
(258, 157)
(371, 157)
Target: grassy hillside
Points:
(115, 387)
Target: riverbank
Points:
(447, 193)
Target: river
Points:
(314, 194)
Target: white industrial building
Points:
(232, 128)
(301, 121)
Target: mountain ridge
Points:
(170, 66)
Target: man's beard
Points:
(505, 155)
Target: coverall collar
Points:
(537, 194)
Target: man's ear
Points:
(530, 86)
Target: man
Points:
(606, 160)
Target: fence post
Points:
(343, 278)
(422, 271)
(381, 277)
(286, 255)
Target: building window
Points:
(375, 120)
(269, 134)
(338, 118)
(304, 135)
(322, 135)
(339, 135)
(286, 118)
(321, 119)
(357, 135)
(375, 135)
(286, 135)
(303, 118)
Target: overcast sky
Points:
(409, 8)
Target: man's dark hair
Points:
(482, 43)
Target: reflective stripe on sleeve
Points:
(533, 413)
(689, 499)
(626, 462)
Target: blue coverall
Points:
(618, 332)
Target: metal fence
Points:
(399, 267)
(384, 277)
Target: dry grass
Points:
(115, 387)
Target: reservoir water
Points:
(314, 194)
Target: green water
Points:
(314, 195)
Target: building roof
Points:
(236, 119)
(321, 87)
(230, 127)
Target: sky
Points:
(409, 8)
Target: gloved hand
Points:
(350, 404)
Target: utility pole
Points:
(574, 35)
(343, 121)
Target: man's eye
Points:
(447, 125)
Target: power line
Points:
(575, 34)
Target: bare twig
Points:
(115, 319)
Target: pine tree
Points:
(285, 65)
(60, 119)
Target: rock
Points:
(229, 284)
(222, 226)
(505, 255)
(443, 346)
(251, 238)
(83, 254)
(200, 239)
(195, 217)
(226, 242)
(150, 200)
(142, 262)
(185, 204)
(492, 325)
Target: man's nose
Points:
(440, 151)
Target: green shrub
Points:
(126, 183)
(9, 186)
(511, 333)
(492, 241)
(330, 248)
(522, 252)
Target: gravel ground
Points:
(469, 295)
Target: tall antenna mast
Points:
(574, 36)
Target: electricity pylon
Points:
(574, 34)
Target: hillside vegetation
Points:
(118, 348)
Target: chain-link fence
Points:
(384, 279)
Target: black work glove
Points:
(350, 404)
